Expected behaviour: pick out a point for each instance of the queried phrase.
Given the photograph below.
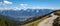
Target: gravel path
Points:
(48, 21)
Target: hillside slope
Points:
(47, 20)
(4, 21)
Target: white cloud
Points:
(20, 6)
(23, 6)
(7, 2)
(4, 3)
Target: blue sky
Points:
(32, 3)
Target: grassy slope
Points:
(35, 23)
(6, 22)
(57, 12)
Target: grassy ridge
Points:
(35, 23)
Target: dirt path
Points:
(48, 21)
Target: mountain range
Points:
(23, 15)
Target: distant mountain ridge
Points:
(22, 15)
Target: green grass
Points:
(35, 23)
(6, 22)
(9, 23)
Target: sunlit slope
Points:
(35, 23)
(49, 19)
